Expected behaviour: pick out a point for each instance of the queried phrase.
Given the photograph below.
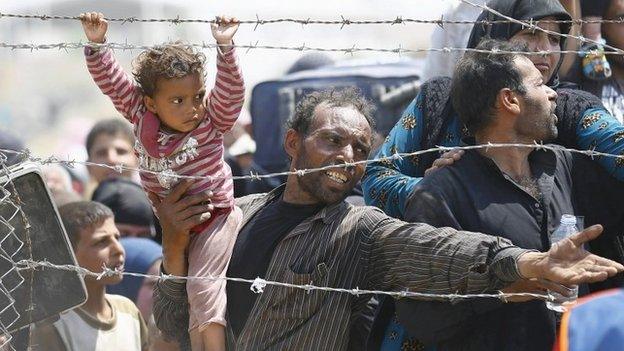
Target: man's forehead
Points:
(361, 134)
(106, 228)
(346, 118)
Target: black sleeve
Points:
(426, 205)
(599, 197)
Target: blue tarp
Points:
(273, 102)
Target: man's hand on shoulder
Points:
(447, 159)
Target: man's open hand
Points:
(568, 263)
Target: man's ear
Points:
(292, 142)
(508, 101)
(149, 103)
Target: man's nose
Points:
(118, 248)
(111, 156)
(543, 43)
(347, 153)
(552, 95)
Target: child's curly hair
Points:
(169, 60)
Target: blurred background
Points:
(48, 98)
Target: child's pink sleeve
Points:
(114, 82)
(228, 94)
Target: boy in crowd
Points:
(111, 142)
(104, 322)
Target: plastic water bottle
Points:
(566, 228)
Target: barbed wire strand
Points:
(258, 284)
(531, 25)
(349, 50)
(26, 155)
(343, 21)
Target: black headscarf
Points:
(523, 10)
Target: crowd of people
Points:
(463, 222)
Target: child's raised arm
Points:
(95, 26)
(106, 71)
(226, 98)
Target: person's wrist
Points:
(174, 260)
(95, 48)
(529, 264)
(174, 263)
(225, 46)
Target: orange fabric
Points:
(563, 343)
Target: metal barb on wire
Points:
(301, 172)
(258, 285)
(349, 50)
(343, 21)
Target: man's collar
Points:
(543, 160)
(327, 213)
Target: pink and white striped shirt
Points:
(196, 153)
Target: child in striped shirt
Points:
(179, 131)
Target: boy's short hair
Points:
(170, 60)
(83, 215)
(113, 126)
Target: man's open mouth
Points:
(336, 177)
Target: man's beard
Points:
(312, 183)
(543, 129)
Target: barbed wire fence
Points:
(12, 216)
(26, 155)
(529, 24)
(258, 284)
(343, 21)
(10, 200)
(303, 48)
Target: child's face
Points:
(101, 247)
(178, 102)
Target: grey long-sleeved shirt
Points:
(344, 246)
